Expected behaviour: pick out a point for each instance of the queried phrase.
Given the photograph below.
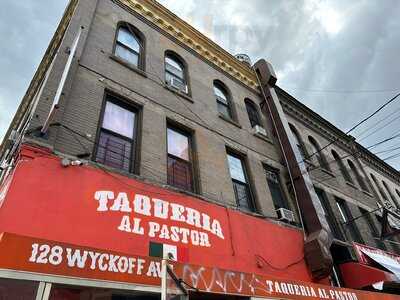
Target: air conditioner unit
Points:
(388, 205)
(259, 130)
(285, 215)
(177, 84)
(3, 165)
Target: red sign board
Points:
(56, 258)
(87, 206)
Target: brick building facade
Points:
(150, 99)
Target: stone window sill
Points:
(328, 172)
(367, 193)
(229, 120)
(263, 137)
(178, 93)
(352, 185)
(128, 65)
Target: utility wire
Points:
(357, 151)
(340, 91)
(355, 126)
(397, 147)
(380, 128)
(342, 175)
(375, 124)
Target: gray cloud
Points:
(316, 45)
(313, 44)
(26, 28)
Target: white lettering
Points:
(121, 203)
(76, 259)
(103, 197)
(160, 208)
(125, 224)
(142, 205)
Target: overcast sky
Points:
(339, 57)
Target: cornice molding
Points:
(309, 118)
(158, 15)
(379, 164)
(315, 122)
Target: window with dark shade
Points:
(372, 228)
(380, 190)
(389, 191)
(349, 224)
(329, 215)
(18, 289)
(342, 168)
(116, 141)
(275, 188)
(252, 112)
(358, 176)
(299, 142)
(180, 173)
(240, 182)
(223, 101)
(128, 45)
(318, 153)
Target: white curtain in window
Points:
(119, 120)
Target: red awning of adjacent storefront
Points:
(357, 275)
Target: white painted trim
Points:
(47, 290)
(63, 79)
(11, 274)
(40, 290)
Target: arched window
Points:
(252, 112)
(175, 72)
(389, 191)
(129, 45)
(381, 192)
(398, 193)
(318, 153)
(342, 167)
(223, 99)
(358, 176)
(298, 141)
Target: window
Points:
(223, 101)
(240, 182)
(18, 289)
(348, 223)
(390, 194)
(180, 169)
(129, 45)
(329, 215)
(342, 167)
(299, 142)
(65, 292)
(318, 153)
(175, 72)
(117, 138)
(381, 192)
(252, 112)
(358, 176)
(275, 188)
(372, 228)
